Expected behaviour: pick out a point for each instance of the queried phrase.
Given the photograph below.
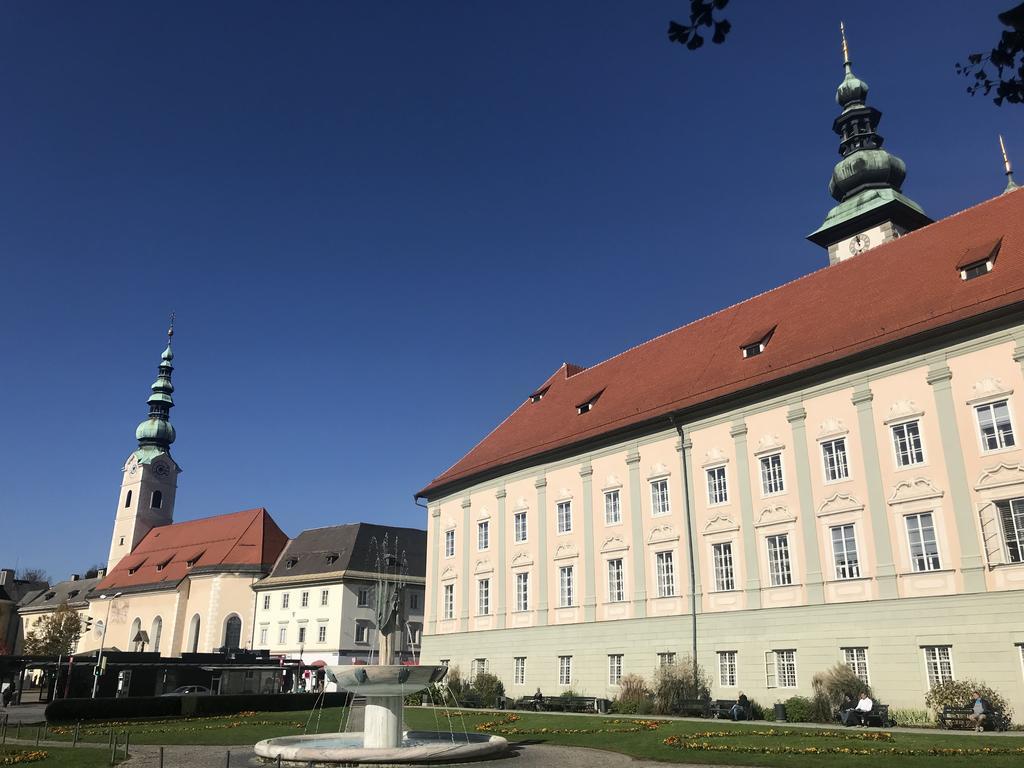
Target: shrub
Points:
(456, 686)
(489, 688)
(799, 709)
(833, 687)
(958, 693)
(912, 718)
(634, 697)
(756, 710)
(674, 683)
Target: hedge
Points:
(71, 710)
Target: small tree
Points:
(959, 693)
(55, 634)
(634, 696)
(831, 688)
(674, 683)
(489, 688)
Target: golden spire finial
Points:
(170, 329)
(1010, 183)
(846, 49)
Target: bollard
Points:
(113, 750)
(127, 738)
(74, 742)
(161, 757)
(227, 760)
(278, 761)
(39, 733)
(110, 740)
(18, 735)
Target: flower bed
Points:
(22, 756)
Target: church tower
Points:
(150, 476)
(866, 182)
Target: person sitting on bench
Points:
(738, 711)
(863, 710)
(538, 700)
(980, 710)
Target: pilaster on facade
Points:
(738, 433)
(885, 569)
(501, 523)
(972, 568)
(465, 593)
(590, 578)
(637, 529)
(541, 484)
(813, 582)
(685, 449)
(434, 534)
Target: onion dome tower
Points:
(150, 476)
(866, 182)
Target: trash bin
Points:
(780, 713)
(501, 702)
(602, 706)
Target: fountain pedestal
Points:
(382, 723)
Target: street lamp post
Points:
(103, 640)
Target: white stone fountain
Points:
(385, 687)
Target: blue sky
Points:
(383, 224)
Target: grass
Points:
(706, 742)
(56, 757)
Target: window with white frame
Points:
(844, 551)
(566, 577)
(563, 512)
(449, 601)
(362, 632)
(771, 474)
(924, 548)
(724, 577)
(304, 599)
(1011, 516)
(666, 659)
(323, 596)
(565, 670)
(995, 426)
(476, 667)
(519, 670)
(612, 508)
(285, 599)
(659, 498)
(522, 591)
(718, 489)
(727, 669)
(614, 668)
(906, 441)
(833, 456)
(938, 661)
(519, 526)
(266, 602)
(666, 574)
(780, 669)
(780, 571)
(857, 660)
(282, 635)
(263, 636)
(321, 633)
(616, 581)
(449, 543)
(363, 597)
(483, 597)
(483, 534)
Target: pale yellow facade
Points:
(936, 588)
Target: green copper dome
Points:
(866, 169)
(156, 430)
(852, 91)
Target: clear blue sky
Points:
(383, 224)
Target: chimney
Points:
(75, 577)
(6, 576)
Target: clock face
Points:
(133, 468)
(162, 470)
(859, 244)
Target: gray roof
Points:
(73, 592)
(321, 551)
(17, 590)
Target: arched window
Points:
(193, 635)
(136, 628)
(128, 498)
(157, 501)
(233, 632)
(154, 634)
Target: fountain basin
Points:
(414, 747)
(384, 680)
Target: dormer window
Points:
(72, 594)
(756, 343)
(133, 570)
(537, 396)
(978, 261)
(49, 596)
(164, 564)
(332, 558)
(194, 559)
(588, 405)
(290, 562)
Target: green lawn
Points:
(710, 741)
(55, 758)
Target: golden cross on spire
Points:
(846, 50)
(1010, 183)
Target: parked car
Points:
(190, 690)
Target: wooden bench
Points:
(959, 717)
(694, 708)
(722, 709)
(563, 704)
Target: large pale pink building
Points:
(828, 472)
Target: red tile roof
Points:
(888, 294)
(249, 539)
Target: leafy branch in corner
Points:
(702, 14)
(1002, 68)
